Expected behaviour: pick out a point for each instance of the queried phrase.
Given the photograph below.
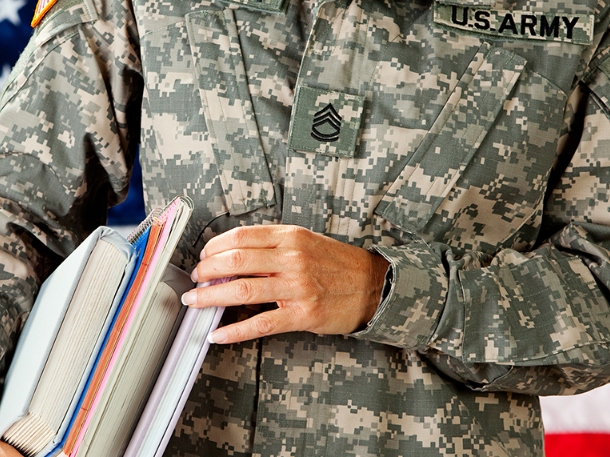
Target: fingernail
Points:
(189, 298)
(194, 275)
(217, 336)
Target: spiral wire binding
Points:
(133, 237)
(156, 215)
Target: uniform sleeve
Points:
(69, 116)
(535, 322)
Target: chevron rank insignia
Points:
(325, 122)
(42, 8)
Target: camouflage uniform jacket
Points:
(466, 141)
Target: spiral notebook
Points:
(135, 297)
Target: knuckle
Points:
(308, 314)
(236, 260)
(264, 325)
(238, 236)
(238, 333)
(294, 229)
(244, 291)
(297, 257)
(297, 232)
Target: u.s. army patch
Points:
(527, 25)
(42, 8)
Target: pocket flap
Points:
(453, 139)
(233, 131)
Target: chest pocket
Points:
(453, 139)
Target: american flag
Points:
(15, 30)
(577, 426)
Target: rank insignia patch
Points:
(42, 8)
(325, 122)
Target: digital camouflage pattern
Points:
(468, 142)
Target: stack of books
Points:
(108, 354)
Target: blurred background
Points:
(577, 426)
(15, 31)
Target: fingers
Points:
(8, 451)
(280, 320)
(242, 291)
(256, 250)
(252, 237)
(241, 262)
(320, 285)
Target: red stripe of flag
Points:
(577, 444)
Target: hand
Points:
(6, 450)
(320, 285)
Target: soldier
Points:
(419, 188)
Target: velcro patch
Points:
(526, 25)
(326, 122)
